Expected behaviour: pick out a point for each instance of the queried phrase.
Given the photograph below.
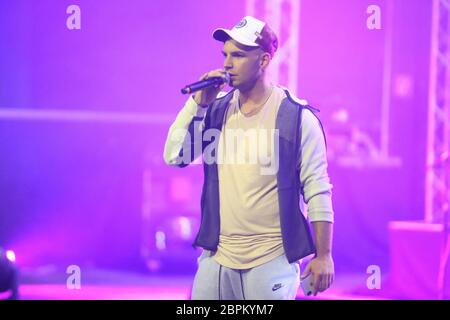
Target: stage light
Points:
(11, 256)
(8, 273)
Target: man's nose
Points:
(227, 65)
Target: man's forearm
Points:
(178, 132)
(323, 235)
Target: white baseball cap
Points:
(246, 32)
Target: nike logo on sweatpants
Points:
(276, 286)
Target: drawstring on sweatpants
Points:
(220, 272)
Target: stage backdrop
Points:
(85, 113)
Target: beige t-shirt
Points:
(250, 232)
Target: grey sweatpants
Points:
(275, 280)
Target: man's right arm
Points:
(184, 142)
(185, 134)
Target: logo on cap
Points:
(241, 23)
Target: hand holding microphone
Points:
(208, 86)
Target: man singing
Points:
(264, 157)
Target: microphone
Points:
(210, 82)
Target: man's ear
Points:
(265, 60)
